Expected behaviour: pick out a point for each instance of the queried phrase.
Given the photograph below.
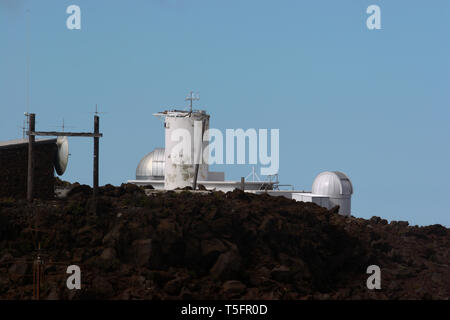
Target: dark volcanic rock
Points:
(80, 191)
(18, 270)
(233, 288)
(101, 287)
(141, 251)
(183, 245)
(227, 265)
(108, 254)
(281, 274)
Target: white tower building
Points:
(184, 147)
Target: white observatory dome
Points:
(151, 167)
(332, 184)
(337, 187)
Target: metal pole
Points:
(31, 139)
(37, 277)
(38, 284)
(34, 279)
(194, 185)
(96, 155)
(197, 165)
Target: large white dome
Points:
(151, 167)
(332, 183)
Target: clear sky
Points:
(371, 103)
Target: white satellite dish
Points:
(62, 155)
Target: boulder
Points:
(54, 294)
(281, 274)
(18, 270)
(161, 277)
(5, 258)
(141, 251)
(82, 191)
(174, 286)
(233, 287)
(112, 237)
(108, 254)
(212, 247)
(227, 265)
(186, 294)
(102, 287)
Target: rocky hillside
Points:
(184, 245)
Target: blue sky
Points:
(373, 104)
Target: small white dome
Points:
(151, 167)
(332, 184)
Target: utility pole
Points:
(191, 98)
(32, 133)
(31, 139)
(96, 153)
(38, 275)
(198, 158)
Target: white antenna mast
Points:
(28, 59)
(26, 114)
(191, 98)
(253, 175)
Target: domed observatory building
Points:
(337, 187)
(151, 167)
(151, 170)
(329, 189)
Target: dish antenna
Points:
(62, 155)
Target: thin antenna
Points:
(254, 176)
(28, 60)
(23, 127)
(63, 126)
(26, 123)
(191, 98)
(97, 112)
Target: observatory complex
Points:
(158, 169)
(167, 168)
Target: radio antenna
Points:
(97, 112)
(27, 94)
(191, 98)
(28, 60)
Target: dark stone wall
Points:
(14, 170)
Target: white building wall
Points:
(179, 166)
(308, 197)
(344, 203)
